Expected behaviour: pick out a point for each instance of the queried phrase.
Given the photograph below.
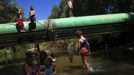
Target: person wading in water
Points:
(83, 47)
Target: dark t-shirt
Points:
(85, 43)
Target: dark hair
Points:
(31, 8)
(43, 54)
(52, 55)
(50, 60)
(79, 32)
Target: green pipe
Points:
(91, 20)
(72, 22)
(11, 27)
(8, 28)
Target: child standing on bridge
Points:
(70, 7)
(20, 24)
(32, 24)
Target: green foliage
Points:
(55, 12)
(14, 53)
(124, 5)
(59, 11)
(92, 7)
(8, 10)
(63, 9)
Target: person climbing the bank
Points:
(71, 49)
(32, 24)
(20, 24)
(29, 65)
(70, 7)
(37, 55)
(83, 47)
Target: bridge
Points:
(54, 29)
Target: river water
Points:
(100, 65)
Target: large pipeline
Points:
(91, 20)
(64, 27)
(72, 22)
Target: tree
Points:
(59, 11)
(55, 12)
(81, 8)
(94, 7)
(124, 5)
(88, 7)
(8, 10)
(63, 9)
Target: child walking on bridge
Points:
(70, 7)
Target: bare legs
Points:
(85, 63)
(70, 12)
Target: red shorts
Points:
(20, 23)
(84, 51)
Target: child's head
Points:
(79, 33)
(31, 8)
(50, 61)
(52, 55)
(20, 11)
(43, 54)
